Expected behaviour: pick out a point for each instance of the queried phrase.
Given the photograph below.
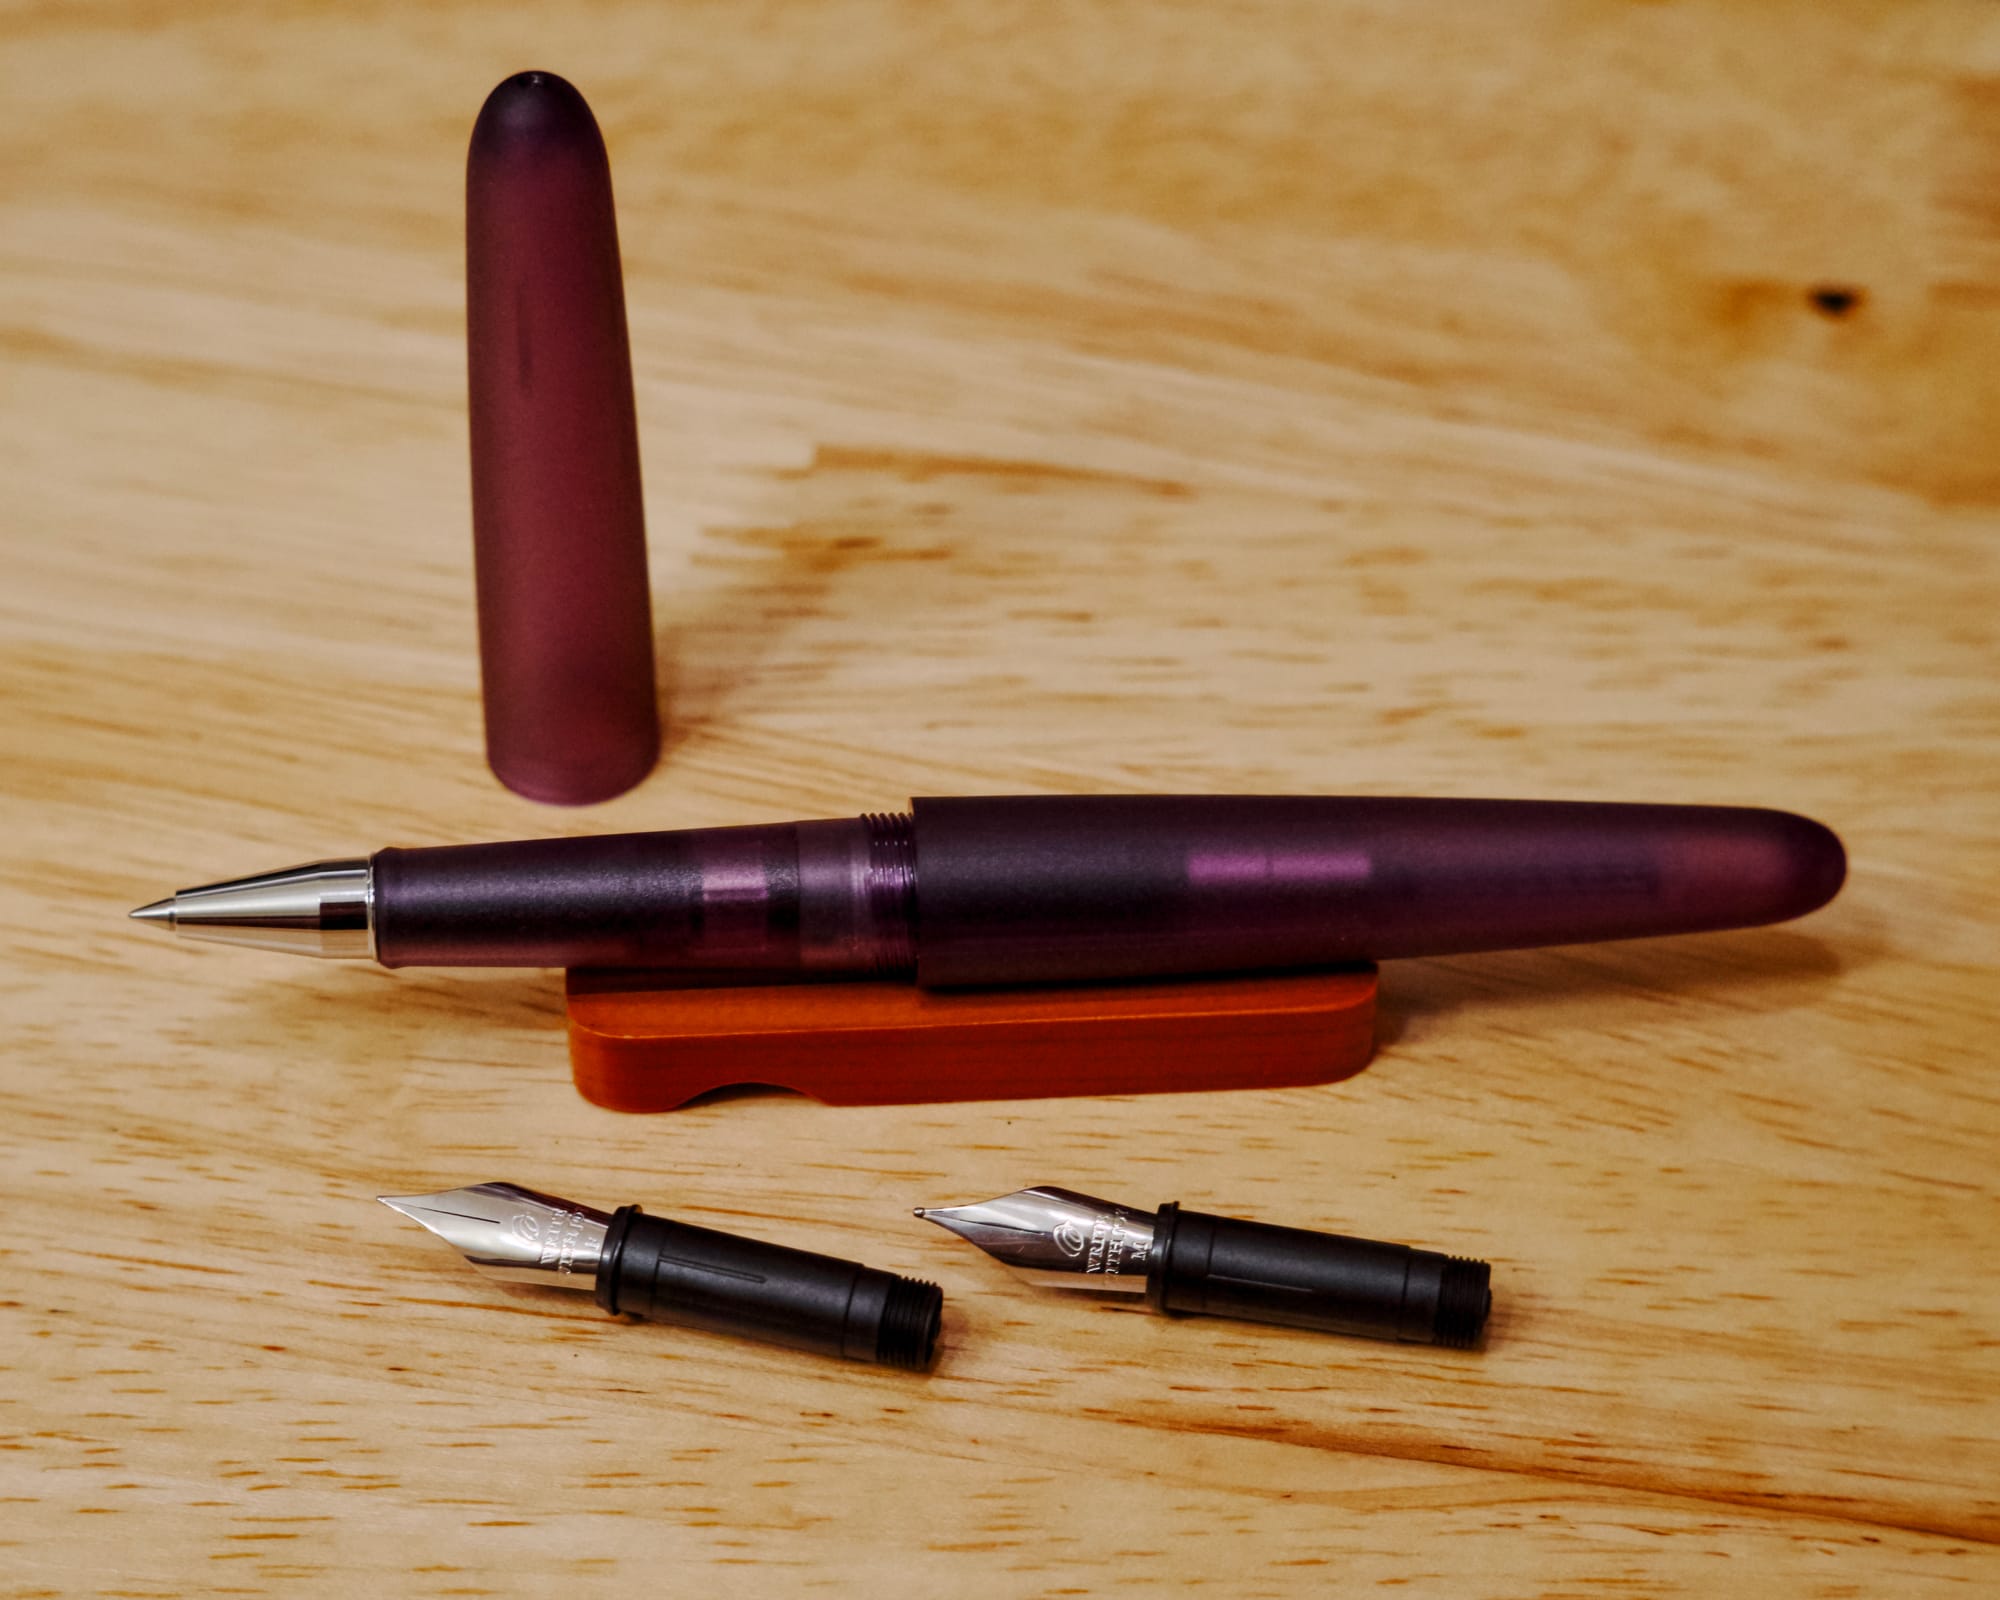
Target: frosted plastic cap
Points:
(559, 530)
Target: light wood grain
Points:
(1318, 397)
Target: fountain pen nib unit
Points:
(1189, 1261)
(644, 1266)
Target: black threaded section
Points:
(911, 1316)
(892, 891)
(1463, 1301)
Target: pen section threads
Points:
(912, 1313)
(676, 1272)
(892, 891)
(1463, 1300)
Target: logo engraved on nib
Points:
(1070, 1238)
(1110, 1239)
(557, 1241)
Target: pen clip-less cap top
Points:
(559, 532)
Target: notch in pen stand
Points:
(640, 1044)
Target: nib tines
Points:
(513, 1232)
(1058, 1238)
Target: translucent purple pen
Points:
(1047, 890)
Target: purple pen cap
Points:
(558, 526)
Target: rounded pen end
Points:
(1821, 864)
(534, 111)
(1769, 866)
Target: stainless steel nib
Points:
(514, 1233)
(1058, 1238)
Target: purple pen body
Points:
(966, 892)
(1048, 889)
(565, 613)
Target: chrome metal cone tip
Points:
(324, 908)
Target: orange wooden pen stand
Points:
(636, 1045)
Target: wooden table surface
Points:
(1559, 400)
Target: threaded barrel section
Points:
(892, 891)
(911, 1317)
(1464, 1298)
